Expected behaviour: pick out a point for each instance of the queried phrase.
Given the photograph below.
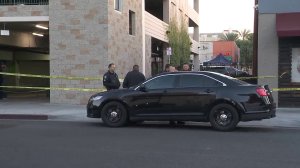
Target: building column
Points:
(196, 34)
(165, 56)
(196, 62)
(166, 7)
(196, 5)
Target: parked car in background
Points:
(185, 96)
(226, 70)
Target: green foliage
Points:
(179, 41)
(230, 37)
(246, 51)
(245, 34)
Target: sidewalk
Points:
(33, 108)
(41, 109)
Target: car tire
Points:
(114, 114)
(223, 117)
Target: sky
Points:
(219, 15)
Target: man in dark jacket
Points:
(111, 79)
(133, 77)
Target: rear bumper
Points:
(260, 115)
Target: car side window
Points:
(162, 82)
(188, 81)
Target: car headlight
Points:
(96, 98)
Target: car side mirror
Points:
(142, 88)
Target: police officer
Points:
(133, 77)
(110, 78)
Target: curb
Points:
(23, 117)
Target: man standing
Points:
(186, 67)
(110, 78)
(133, 77)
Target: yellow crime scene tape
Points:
(98, 78)
(55, 88)
(50, 77)
(53, 77)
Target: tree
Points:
(179, 41)
(230, 37)
(244, 34)
(246, 52)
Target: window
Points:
(118, 5)
(163, 82)
(188, 81)
(131, 23)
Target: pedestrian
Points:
(1, 80)
(167, 68)
(110, 78)
(173, 69)
(186, 67)
(133, 78)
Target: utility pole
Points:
(255, 40)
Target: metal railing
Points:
(24, 2)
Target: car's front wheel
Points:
(114, 114)
(224, 117)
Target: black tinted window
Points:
(187, 81)
(162, 82)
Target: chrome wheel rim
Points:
(223, 117)
(114, 114)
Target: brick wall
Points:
(78, 46)
(24, 10)
(123, 49)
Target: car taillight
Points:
(261, 92)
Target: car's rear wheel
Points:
(224, 117)
(114, 114)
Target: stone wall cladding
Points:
(24, 10)
(123, 49)
(148, 54)
(78, 46)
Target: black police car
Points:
(185, 96)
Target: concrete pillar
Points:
(165, 56)
(268, 51)
(166, 13)
(196, 5)
(196, 33)
(196, 62)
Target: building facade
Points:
(279, 48)
(84, 38)
(227, 48)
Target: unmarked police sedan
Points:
(185, 96)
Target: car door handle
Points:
(209, 91)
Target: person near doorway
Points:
(133, 77)
(110, 78)
(186, 67)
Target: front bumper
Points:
(260, 115)
(93, 111)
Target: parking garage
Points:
(24, 49)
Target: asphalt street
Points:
(55, 144)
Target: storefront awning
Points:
(288, 24)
